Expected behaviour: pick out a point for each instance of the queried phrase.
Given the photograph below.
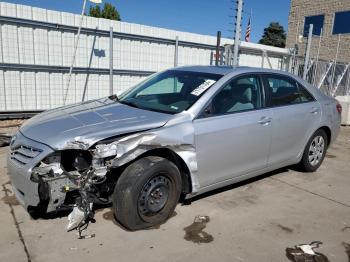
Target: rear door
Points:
(296, 115)
(233, 134)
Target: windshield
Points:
(169, 92)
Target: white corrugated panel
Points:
(29, 95)
(7, 9)
(13, 90)
(103, 52)
(72, 89)
(1, 45)
(26, 46)
(2, 92)
(56, 87)
(55, 48)
(54, 17)
(24, 11)
(41, 45)
(10, 44)
(43, 90)
(39, 14)
(68, 48)
(68, 19)
(82, 52)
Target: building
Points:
(331, 18)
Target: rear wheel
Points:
(314, 151)
(147, 192)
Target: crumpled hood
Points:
(82, 125)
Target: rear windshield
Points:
(170, 92)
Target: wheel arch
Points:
(178, 161)
(328, 132)
(168, 154)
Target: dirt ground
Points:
(252, 221)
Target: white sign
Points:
(203, 87)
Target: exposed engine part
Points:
(73, 171)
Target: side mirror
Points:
(208, 111)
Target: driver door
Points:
(233, 135)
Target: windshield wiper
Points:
(130, 103)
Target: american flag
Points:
(249, 28)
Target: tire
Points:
(146, 193)
(314, 152)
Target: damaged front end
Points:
(72, 179)
(79, 178)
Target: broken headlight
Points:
(106, 150)
(79, 160)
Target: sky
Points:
(195, 16)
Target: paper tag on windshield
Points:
(204, 86)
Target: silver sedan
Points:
(181, 132)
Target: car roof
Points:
(224, 70)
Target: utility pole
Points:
(237, 32)
(307, 52)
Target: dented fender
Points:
(129, 147)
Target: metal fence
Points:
(37, 45)
(331, 77)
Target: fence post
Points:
(217, 53)
(335, 64)
(111, 60)
(176, 54)
(307, 52)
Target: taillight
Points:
(339, 108)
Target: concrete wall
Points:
(301, 8)
(36, 48)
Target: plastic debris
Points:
(306, 253)
(75, 218)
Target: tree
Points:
(274, 35)
(95, 11)
(109, 12)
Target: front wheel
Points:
(314, 151)
(147, 193)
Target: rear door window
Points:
(285, 91)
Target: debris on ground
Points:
(11, 123)
(7, 129)
(79, 219)
(195, 233)
(306, 253)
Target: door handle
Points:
(264, 120)
(314, 111)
